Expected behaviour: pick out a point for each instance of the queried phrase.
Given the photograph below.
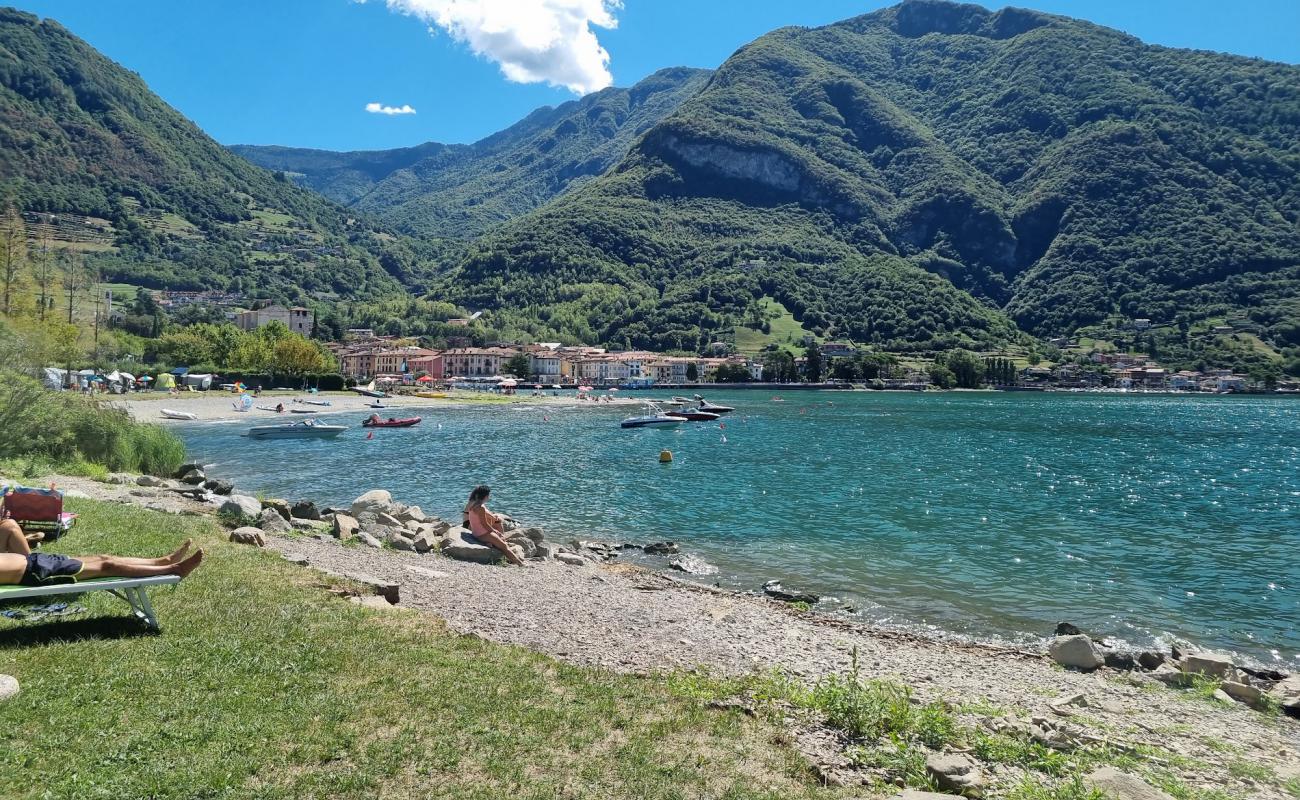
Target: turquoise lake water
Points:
(982, 515)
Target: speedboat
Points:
(653, 418)
(376, 405)
(372, 422)
(306, 429)
(693, 414)
(170, 414)
(705, 405)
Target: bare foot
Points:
(34, 537)
(187, 566)
(179, 555)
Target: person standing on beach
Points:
(485, 526)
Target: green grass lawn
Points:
(262, 685)
(785, 331)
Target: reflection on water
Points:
(972, 513)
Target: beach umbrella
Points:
(424, 379)
(615, 389)
(144, 379)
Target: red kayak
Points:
(390, 422)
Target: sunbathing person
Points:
(19, 565)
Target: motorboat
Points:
(705, 405)
(653, 418)
(375, 422)
(693, 414)
(376, 405)
(306, 429)
(170, 414)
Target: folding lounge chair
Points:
(132, 590)
(38, 510)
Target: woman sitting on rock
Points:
(485, 526)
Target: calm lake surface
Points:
(982, 515)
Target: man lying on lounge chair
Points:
(19, 565)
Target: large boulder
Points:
(1210, 665)
(248, 535)
(8, 687)
(218, 486)
(458, 547)
(150, 480)
(957, 773)
(661, 548)
(345, 526)
(1252, 696)
(376, 501)
(388, 520)
(1075, 652)
(240, 506)
(280, 507)
(1287, 693)
(413, 514)
(271, 521)
(194, 477)
(305, 509)
(527, 546)
(368, 540)
(692, 565)
(426, 541)
(1122, 786)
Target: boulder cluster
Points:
(1183, 666)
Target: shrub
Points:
(70, 430)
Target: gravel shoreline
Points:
(631, 620)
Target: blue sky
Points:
(302, 72)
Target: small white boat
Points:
(170, 414)
(653, 418)
(306, 429)
(705, 405)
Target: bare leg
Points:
(115, 567)
(493, 538)
(12, 539)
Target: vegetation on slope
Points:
(1054, 169)
(462, 191)
(88, 150)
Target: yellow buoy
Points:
(665, 456)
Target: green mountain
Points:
(154, 201)
(923, 176)
(461, 191)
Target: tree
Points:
(942, 377)
(733, 373)
(45, 272)
(13, 259)
(519, 365)
(966, 368)
(812, 367)
(845, 369)
(296, 355)
(692, 372)
(75, 278)
(778, 366)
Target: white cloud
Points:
(533, 41)
(376, 108)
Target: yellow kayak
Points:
(431, 395)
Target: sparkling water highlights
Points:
(977, 514)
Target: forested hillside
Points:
(87, 149)
(1053, 171)
(462, 191)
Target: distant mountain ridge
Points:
(461, 191)
(84, 137)
(1055, 170)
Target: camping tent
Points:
(54, 378)
(165, 381)
(200, 381)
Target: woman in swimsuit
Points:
(486, 526)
